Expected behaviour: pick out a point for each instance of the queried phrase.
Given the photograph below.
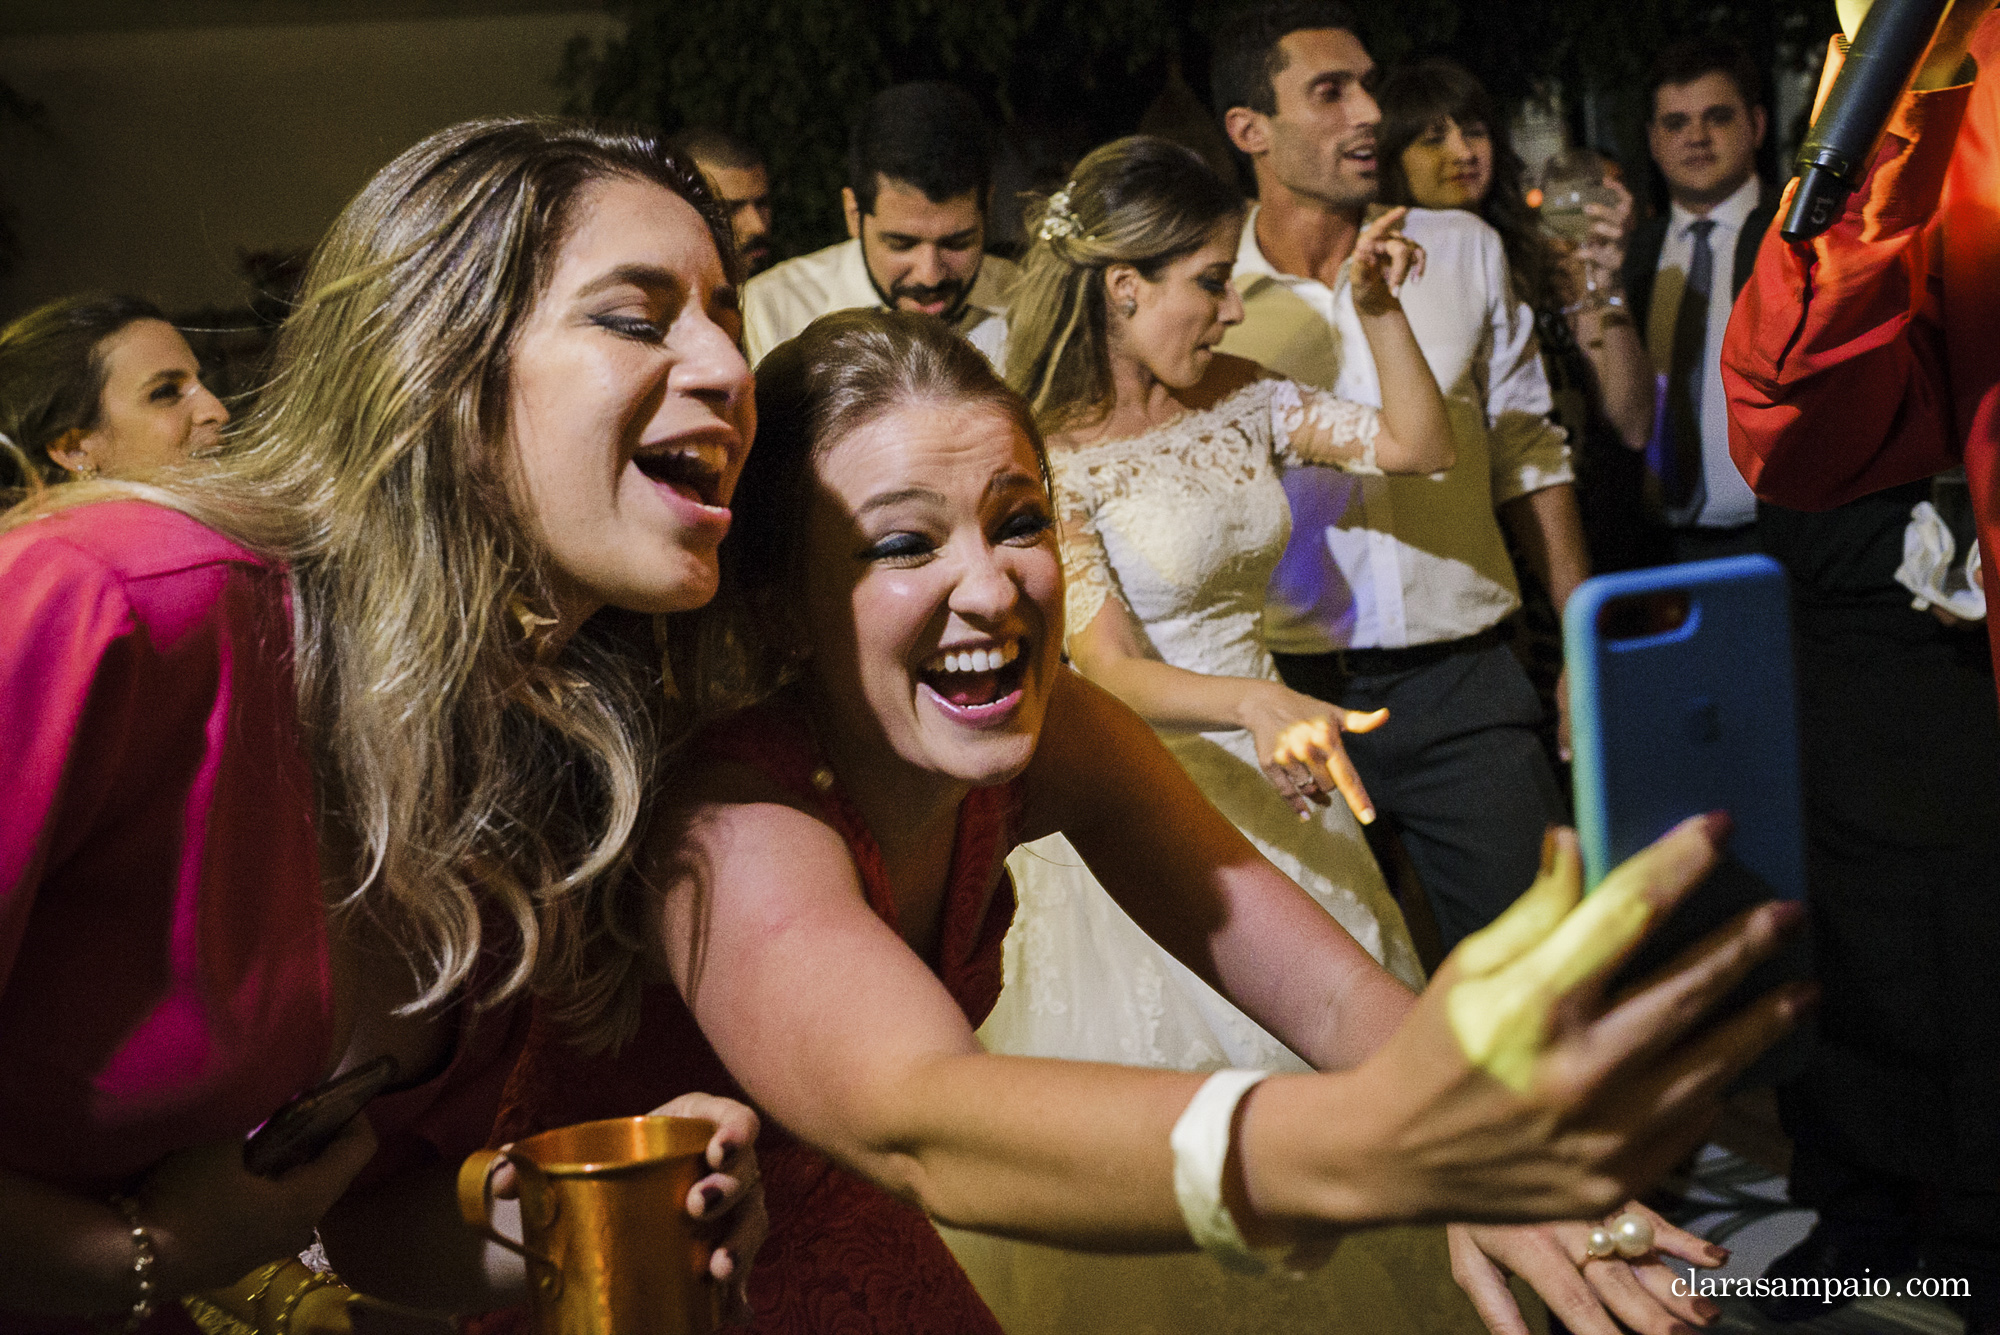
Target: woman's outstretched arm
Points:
(839, 1031)
(836, 1027)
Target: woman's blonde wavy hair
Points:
(1140, 201)
(469, 784)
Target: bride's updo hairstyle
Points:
(1140, 201)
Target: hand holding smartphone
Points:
(309, 1123)
(1682, 701)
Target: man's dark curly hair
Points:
(930, 135)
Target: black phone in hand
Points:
(297, 1132)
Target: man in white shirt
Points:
(1682, 273)
(918, 169)
(1392, 591)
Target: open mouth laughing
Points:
(692, 470)
(977, 684)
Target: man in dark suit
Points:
(1705, 126)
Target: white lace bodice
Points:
(1184, 524)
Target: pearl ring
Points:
(1629, 1236)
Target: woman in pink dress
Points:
(880, 715)
(307, 746)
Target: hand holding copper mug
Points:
(730, 1198)
(606, 1232)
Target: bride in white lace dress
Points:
(1165, 459)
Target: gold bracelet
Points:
(282, 1325)
(143, 1259)
(271, 1273)
(233, 1311)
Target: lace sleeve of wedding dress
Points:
(1312, 426)
(1088, 580)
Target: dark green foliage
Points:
(791, 75)
(20, 112)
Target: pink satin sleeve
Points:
(57, 625)
(164, 979)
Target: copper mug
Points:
(604, 1223)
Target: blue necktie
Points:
(1682, 487)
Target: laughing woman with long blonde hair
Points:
(310, 745)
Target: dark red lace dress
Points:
(844, 1257)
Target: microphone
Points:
(1881, 62)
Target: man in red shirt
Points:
(1872, 356)
(1867, 361)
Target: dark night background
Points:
(1063, 75)
(193, 151)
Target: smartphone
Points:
(1682, 700)
(309, 1123)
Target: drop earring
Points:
(531, 626)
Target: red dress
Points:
(448, 1116)
(844, 1257)
(164, 979)
(1872, 357)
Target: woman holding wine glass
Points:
(1443, 145)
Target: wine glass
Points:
(1572, 179)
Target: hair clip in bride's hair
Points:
(1059, 219)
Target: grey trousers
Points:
(1458, 772)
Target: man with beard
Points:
(918, 167)
(741, 182)
(1393, 590)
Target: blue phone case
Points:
(1698, 718)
